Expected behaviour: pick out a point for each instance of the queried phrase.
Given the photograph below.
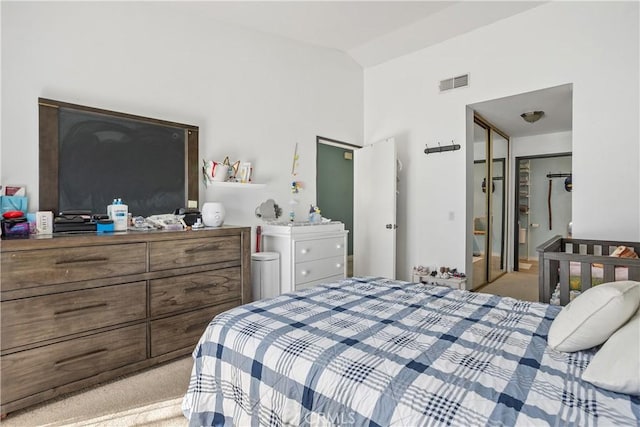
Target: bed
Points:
(379, 352)
(570, 266)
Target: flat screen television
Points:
(90, 156)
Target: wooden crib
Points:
(578, 264)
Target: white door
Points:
(374, 209)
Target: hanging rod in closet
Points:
(558, 175)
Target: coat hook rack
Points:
(441, 149)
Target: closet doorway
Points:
(490, 166)
(542, 204)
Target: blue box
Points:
(104, 226)
(13, 203)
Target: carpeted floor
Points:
(521, 284)
(149, 398)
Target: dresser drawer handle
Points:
(338, 265)
(304, 272)
(338, 246)
(79, 357)
(72, 310)
(201, 287)
(304, 251)
(81, 260)
(195, 328)
(203, 248)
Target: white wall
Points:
(252, 95)
(549, 143)
(592, 45)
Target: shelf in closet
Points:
(236, 185)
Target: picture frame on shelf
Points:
(245, 172)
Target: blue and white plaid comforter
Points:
(378, 353)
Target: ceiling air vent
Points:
(454, 82)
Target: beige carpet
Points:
(519, 284)
(149, 398)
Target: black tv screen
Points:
(100, 155)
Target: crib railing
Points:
(557, 254)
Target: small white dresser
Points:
(310, 254)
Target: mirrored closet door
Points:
(491, 154)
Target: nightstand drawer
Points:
(309, 250)
(28, 269)
(315, 270)
(192, 252)
(57, 315)
(194, 290)
(45, 368)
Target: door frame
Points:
(338, 144)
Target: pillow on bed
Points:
(616, 366)
(594, 315)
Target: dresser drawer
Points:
(315, 270)
(27, 269)
(57, 315)
(318, 282)
(184, 330)
(309, 250)
(190, 252)
(194, 290)
(44, 368)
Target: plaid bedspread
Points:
(377, 352)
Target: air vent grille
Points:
(454, 82)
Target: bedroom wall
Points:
(252, 95)
(593, 45)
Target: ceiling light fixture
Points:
(532, 116)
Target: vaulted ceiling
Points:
(370, 31)
(373, 32)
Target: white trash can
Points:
(265, 275)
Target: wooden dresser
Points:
(77, 310)
(309, 254)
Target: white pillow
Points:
(616, 366)
(594, 315)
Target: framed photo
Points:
(245, 172)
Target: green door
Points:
(334, 185)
